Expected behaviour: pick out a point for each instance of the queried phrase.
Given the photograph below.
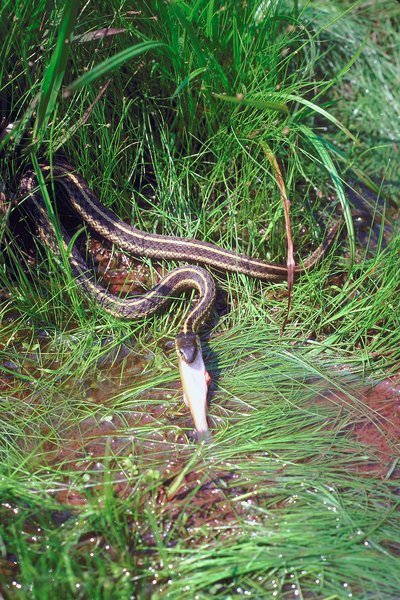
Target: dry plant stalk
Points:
(290, 262)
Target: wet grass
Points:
(167, 114)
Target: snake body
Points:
(152, 245)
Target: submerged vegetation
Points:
(175, 113)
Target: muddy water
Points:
(379, 428)
(373, 412)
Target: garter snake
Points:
(153, 245)
(107, 224)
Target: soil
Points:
(379, 428)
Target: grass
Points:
(167, 115)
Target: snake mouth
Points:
(188, 346)
(195, 380)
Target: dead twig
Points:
(286, 209)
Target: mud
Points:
(374, 413)
(120, 273)
(379, 428)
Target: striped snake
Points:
(194, 376)
(153, 245)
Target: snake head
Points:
(187, 346)
(195, 380)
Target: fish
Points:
(195, 381)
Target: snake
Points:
(152, 245)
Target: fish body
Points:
(195, 380)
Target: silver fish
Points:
(195, 380)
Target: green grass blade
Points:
(187, 80)
(55, 71)
(319, 145)
(112, 63)
(264, 104)
(324, 113)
